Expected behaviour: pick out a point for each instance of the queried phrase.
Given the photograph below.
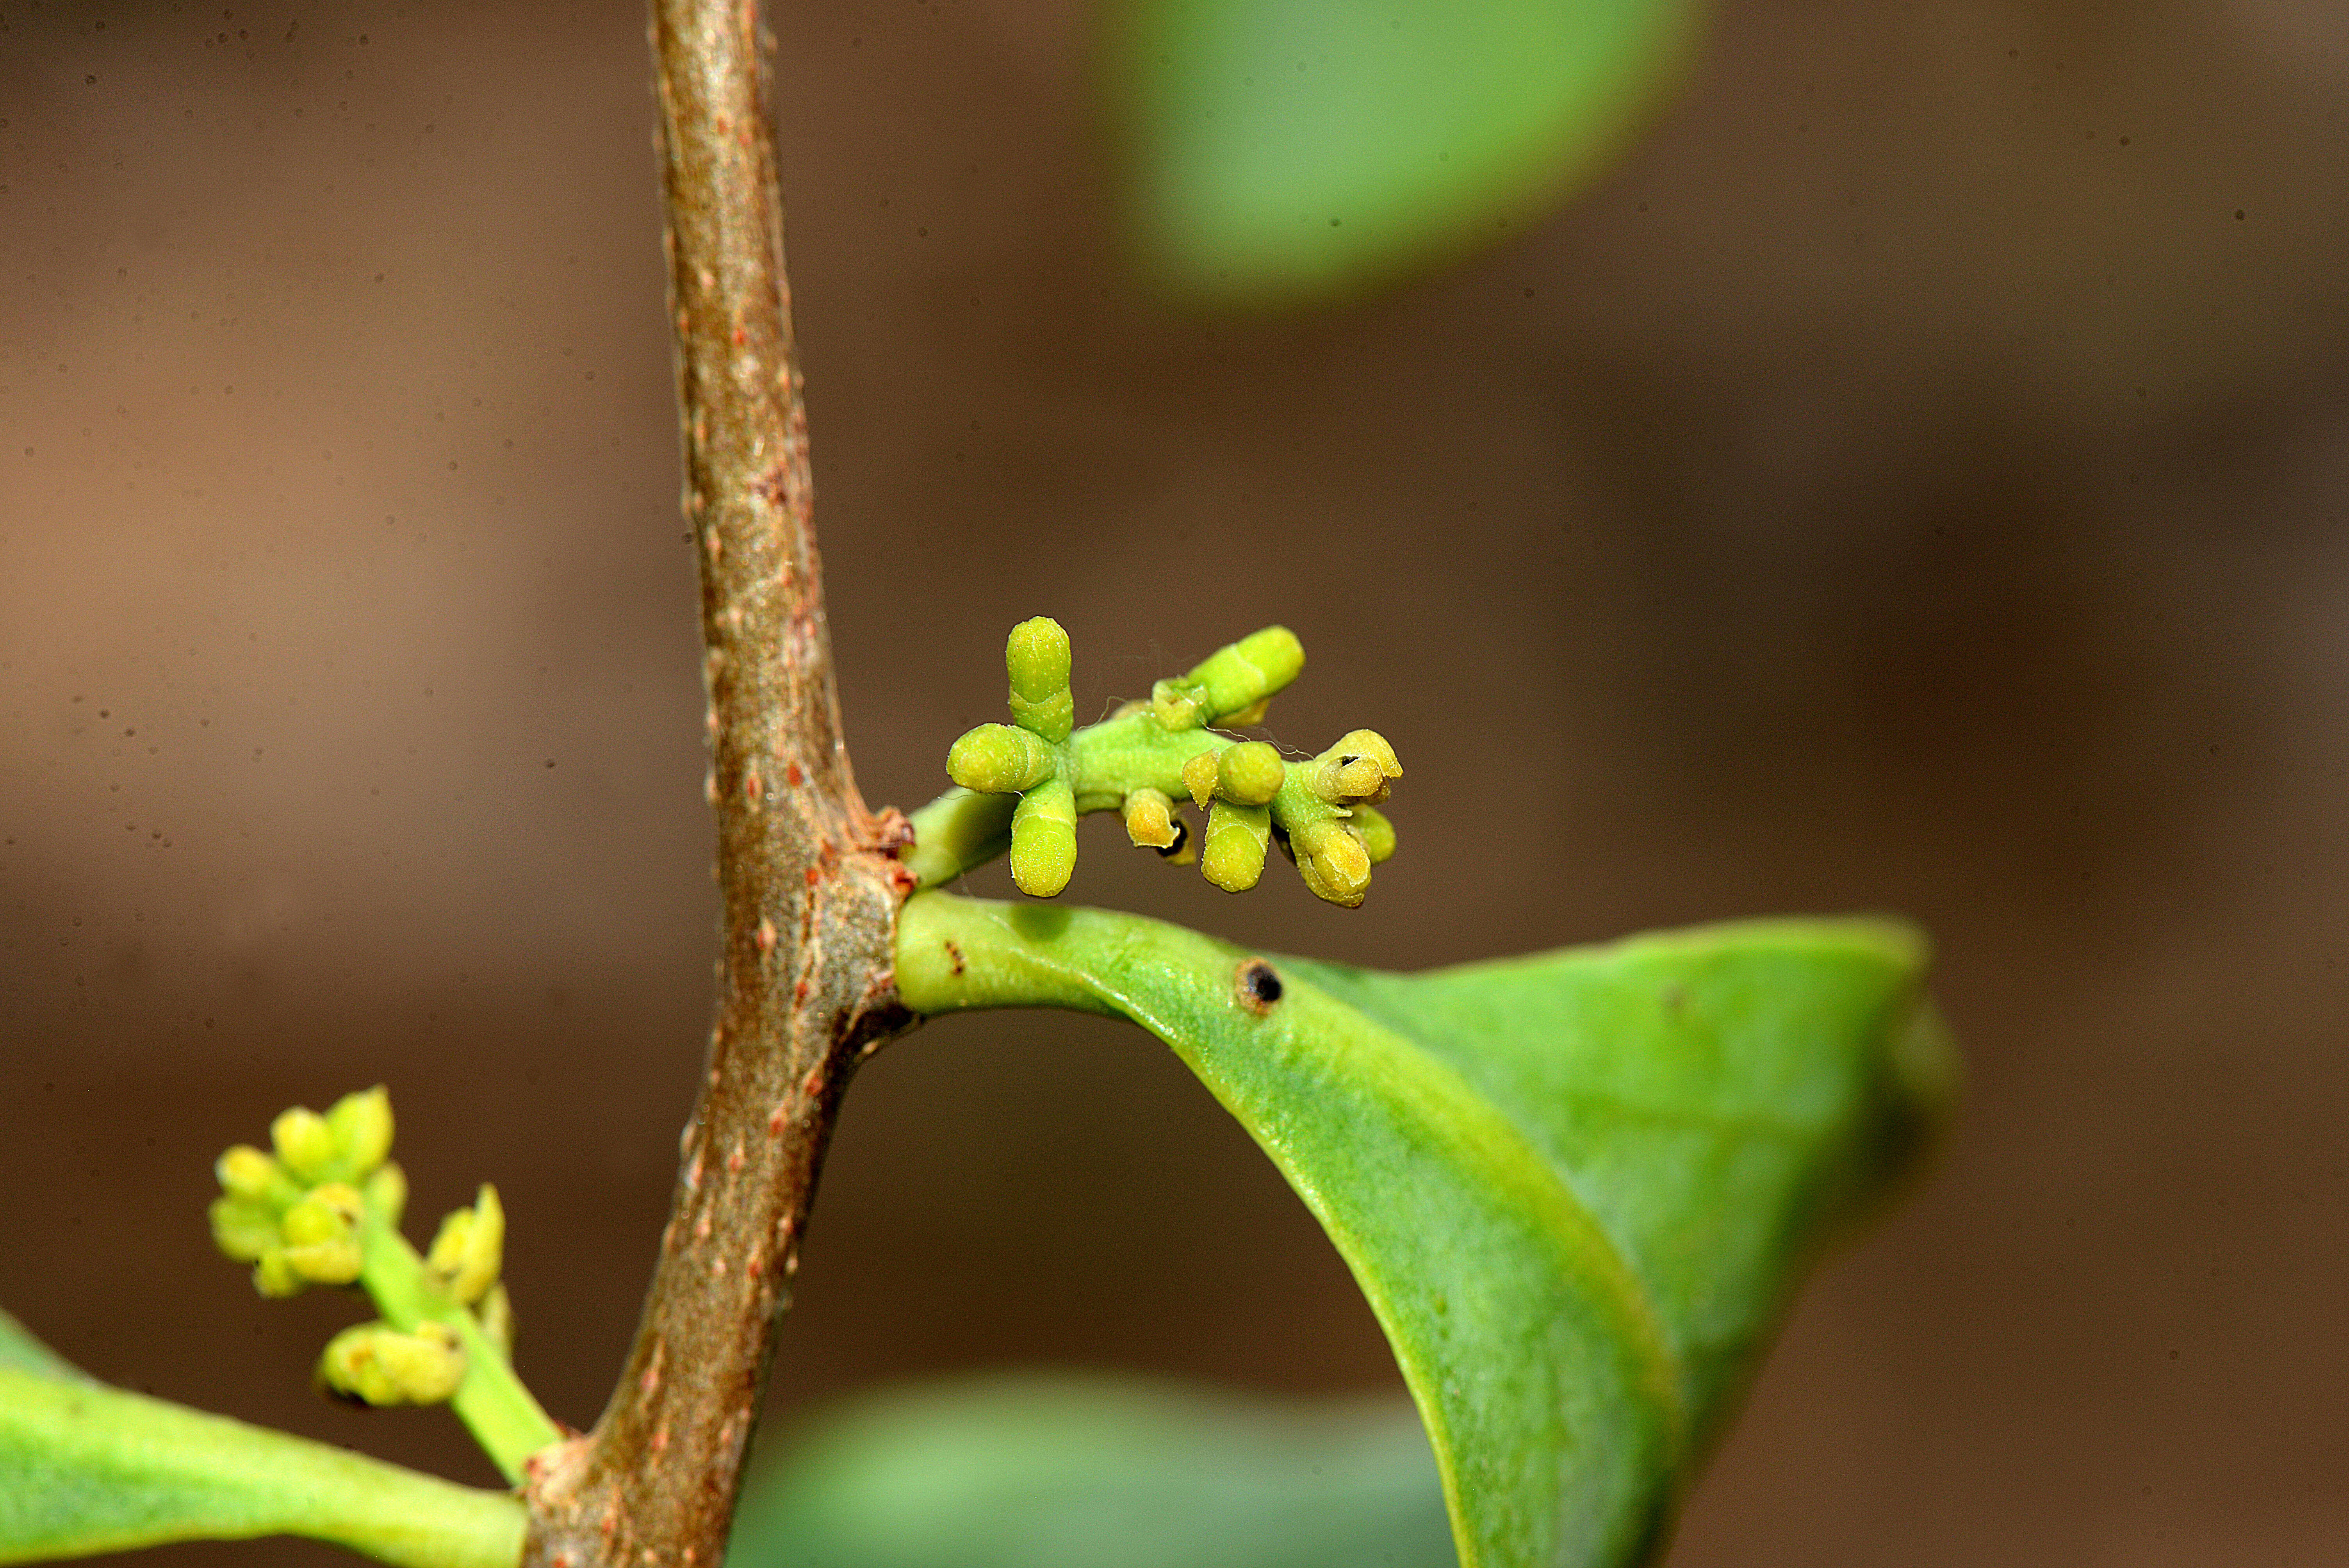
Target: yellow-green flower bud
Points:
(1241, 675)
(361, 1124)
(1044, 839)
(471, 1248)
(998, 760)
(1237, 837)
(321, 1235)
(327, 1263)
(245, 1171)
(1250, 774)
(1377, 834)
(1355, 770)
(329, 1212)
(243, 1228)
(274, 1276)
(1150, 818)
(378, 1363)
(1333, 859)
(496, 1315)
(386, 1194)
(1201, 775)
(306, 1144)
(1037, 659)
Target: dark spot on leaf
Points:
(1258, 986)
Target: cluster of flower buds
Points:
(295, 1215)
(1318, 810)
(323, 1208)
(1141, 759)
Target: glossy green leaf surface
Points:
(1295, 149)
(1578, 1187)
(1094, 1474)
(86, 1469)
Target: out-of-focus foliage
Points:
(1083, 1474)
(1292, 149)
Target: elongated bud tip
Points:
(1250, 773)
(1044, 839)
(1036, 657)
(305, 1143)
(361, 1124)
(1333, 861)
(470, 1249)
(1237, 838)
(1240, 677)
(1000, 760)
(377, 1363)
(1275, 655)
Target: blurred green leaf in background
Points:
(1080, 1473)
(1293, 151)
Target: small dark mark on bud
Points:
(1258, 986)
(953, 954)
(1182, 837)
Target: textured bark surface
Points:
(808, 878)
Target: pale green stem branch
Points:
(502, 1415)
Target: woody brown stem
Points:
(808, 878)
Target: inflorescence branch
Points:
(323, 1208)
(1022, 786)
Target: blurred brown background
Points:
(1913, 481)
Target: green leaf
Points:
(1094, 1474)
(1576, 1188)
(20, 1350)
(1294, 148)
(86, 1469)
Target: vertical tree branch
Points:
(808, 878)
